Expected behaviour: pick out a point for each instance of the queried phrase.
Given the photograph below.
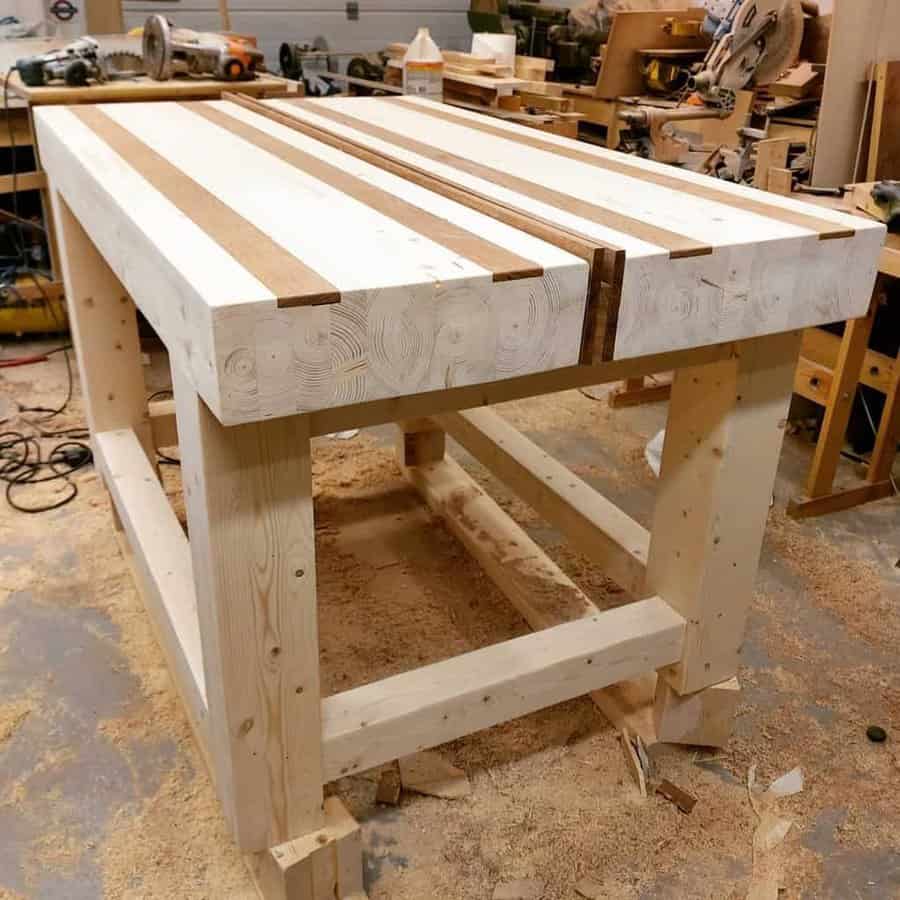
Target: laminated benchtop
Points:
(290, 268)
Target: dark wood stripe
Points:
(825, 229)
(292, 282)
(500, 262)
(678, 245)
(574, 242)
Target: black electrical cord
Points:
(50, 412)
(22, 460)
(24, 463)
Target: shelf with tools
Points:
(30, 296)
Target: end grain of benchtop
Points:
(286, 275)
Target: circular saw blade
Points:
(121, 63)
(782, 42)
(783, 47)
(157, 48)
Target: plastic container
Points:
(423, 67)
(501, 46)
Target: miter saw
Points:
(172, 51)
(754, 41)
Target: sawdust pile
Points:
(852, 589)
(176, 844)
(12, 716)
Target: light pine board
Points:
(375, 723)
(763, 274)
(723, 440)
(248, 494)
(413, 315)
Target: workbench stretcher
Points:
(313, 266)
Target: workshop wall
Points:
(380, 22)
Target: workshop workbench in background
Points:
(831, 370)
(454, 262)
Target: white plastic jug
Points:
(423, 67)
(501, 46)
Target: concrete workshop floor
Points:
(102, 793)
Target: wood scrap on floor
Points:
(636, 760)
(770, 832)
(674, 794)
(788, 784)
(429, 773)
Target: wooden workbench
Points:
(391, 260)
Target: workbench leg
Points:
(248, 494)
(885, 451)
(104, 331)
(847, 371)
(420, 441)
(103, 322)
(723, 439)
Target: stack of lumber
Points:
(538, 93)
(520, 93)
(467, 76)
(533, 68)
